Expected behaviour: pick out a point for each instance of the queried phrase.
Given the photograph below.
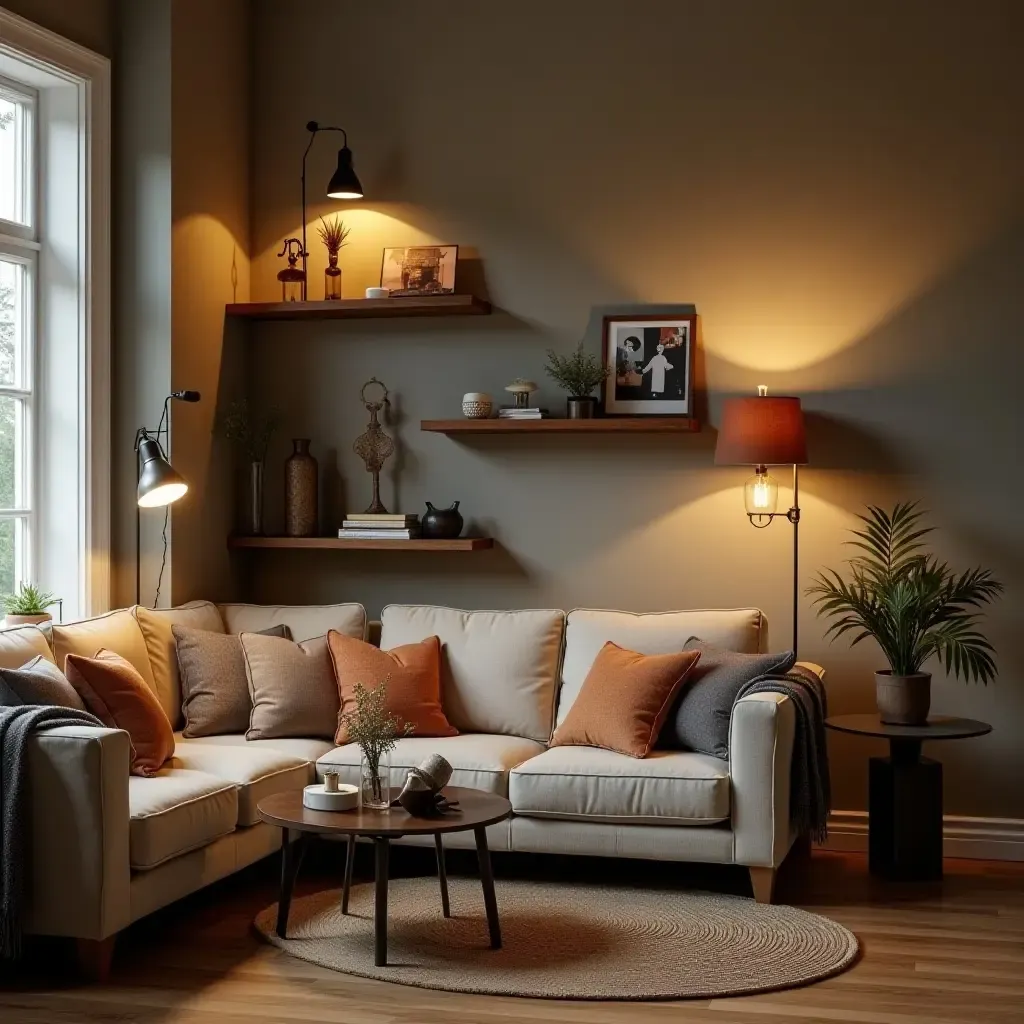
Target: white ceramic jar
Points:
(477, 405)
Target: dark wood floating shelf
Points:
(608, 425)
(362, 309)
(337, 544)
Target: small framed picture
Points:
(651, 363)
(419, 270)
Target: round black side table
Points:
(905, 793)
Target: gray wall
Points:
(89, 23)
(836, 188)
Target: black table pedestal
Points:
(905, 814)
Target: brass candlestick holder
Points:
(373, 446)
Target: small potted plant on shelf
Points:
(334, 235)
(376, 731)
(252, 435)
(28, 606)
(913, 605)
(579, 374)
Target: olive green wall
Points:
(838, 190)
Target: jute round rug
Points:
(569, 942)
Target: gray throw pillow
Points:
(38, 682)
(700, 719)
(214, 687)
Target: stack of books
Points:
(379, 526)
(508, 412)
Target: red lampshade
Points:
(761, 431)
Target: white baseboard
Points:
(972, 838)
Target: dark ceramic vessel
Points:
(441, 523)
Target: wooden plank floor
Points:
(932, 954)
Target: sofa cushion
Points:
(498, 670)
(297, 746)
(588, 630)
(478, 761)
(175, 811)
(116, 631)
(20, 645)
(38, 681)
(155, 625)
(292, 686)
(257, 772)
(589, 784)
(303, 621)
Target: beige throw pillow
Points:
(292, 686)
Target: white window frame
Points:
(68, 245)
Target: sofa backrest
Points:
(499, 669)
(303, 621)
(19, 645)
(588, 629)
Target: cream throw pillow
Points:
(292, 686)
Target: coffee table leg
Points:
(291, 860)
(380, 910)
(483, 856)
(350, 856)
(442, 875)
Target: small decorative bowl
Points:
(477, 405)
(316, 798)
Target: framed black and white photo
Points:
(651, 362)
(419, 270)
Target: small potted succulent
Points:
(375, 730)
(913, 605)
(579, 374)
(28, 606)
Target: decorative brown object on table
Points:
(578, 374)
(650, 362)
(905, 793)
(292, 277)
(413, 674)
(419, 270)
(913, 605)
(421, 795)
(373, 446)
(114, 691)
(476, 811)
(334, 235)
(441, 523)
(301, 491)
(624, 700)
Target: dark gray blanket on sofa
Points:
(16, 725)
(810, 797)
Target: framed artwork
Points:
(419, 270)
(651, 361)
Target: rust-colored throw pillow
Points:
(114, 691)
(624, 700)
(413, 672)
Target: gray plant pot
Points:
(903, 700)
(584, 408)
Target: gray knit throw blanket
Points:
(810, 798)
(16, 724)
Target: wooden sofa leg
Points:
(762, 881)
(94, 957)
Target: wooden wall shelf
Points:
(362, 309)
(338, 544)
(609, 425)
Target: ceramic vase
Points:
(300, 491)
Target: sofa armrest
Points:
(78, 873)
(760, 754)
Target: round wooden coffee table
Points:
(476, 811)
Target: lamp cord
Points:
(163, 559)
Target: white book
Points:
(345, 534)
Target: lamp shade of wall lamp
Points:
(344, 183)
(159, 482)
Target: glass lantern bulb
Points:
(761, 493)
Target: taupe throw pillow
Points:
(38, 681)
(700, 718)
(214, 687)
(292, 686)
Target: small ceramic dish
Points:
(316, 798)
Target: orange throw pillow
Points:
(413, 672)
(624, 700)
(116, 694)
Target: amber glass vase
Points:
(300, 491)
(332, 278)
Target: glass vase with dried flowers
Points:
(333, 234)
(252, 434)
(376, 731)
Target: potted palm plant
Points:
(914, 606)
(28, 606)
(578, 374)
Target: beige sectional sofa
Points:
(108, 848)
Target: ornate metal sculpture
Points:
(374, 447)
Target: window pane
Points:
(8, 556)
(14, 172)
(13, 322)
(13, 482)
